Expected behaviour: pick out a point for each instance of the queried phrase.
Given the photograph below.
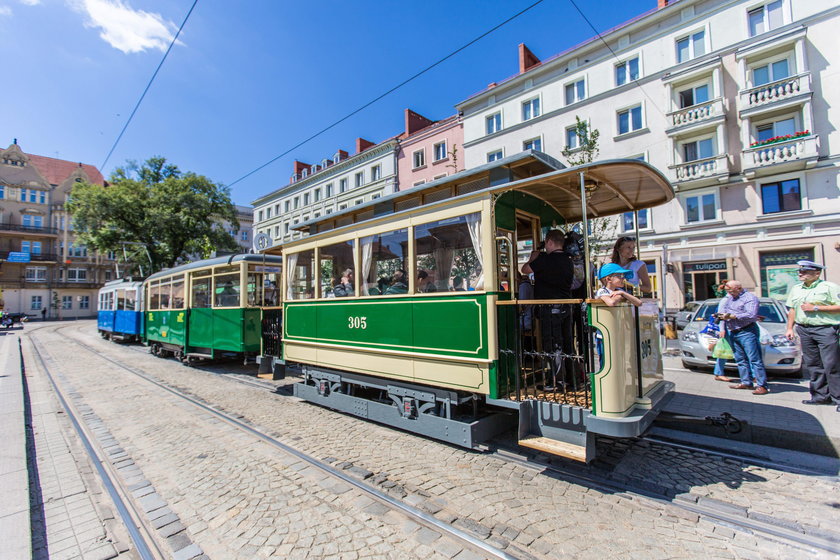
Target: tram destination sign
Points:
(704, 267)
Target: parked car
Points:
(780, 355)
(684, 314)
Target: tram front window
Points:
(226, 290)
(384, 259)
(450, 252)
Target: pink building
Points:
(429, 149)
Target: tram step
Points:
(554, 447)
(199, 355)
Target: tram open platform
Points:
(778, 419)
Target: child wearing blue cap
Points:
(612, 276)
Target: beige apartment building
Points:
(42, 268)
(737, 102)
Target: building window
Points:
(306, 199)
(260, 216)
(765, 18)
(375, 173)
(2, 192)
(575, 92)
(493, 123)
(360, 178)
(359, 201)
(77, 275)
(627, 224)
(440, 151)
(700, 207)
(297, 202)
(691, 46)
(31, 247)
(418, 159)
(418, 183)
(23, 195)
(342, 185)
(287, 206)
(630, 119)
(493, 156)
(627, 71)
(36, 274)
(328, 190)
(244, 235)
(67, 302)
(317, 195)
(107, 275)
(698, 149)
(531, 109)
(84, 302)
(375, 196)
(693, 96)
(572, 138)
(782, 127)
(781, 196)
(286, 228)
(342, 207)
(42, 197)
(532, 144)
(268, 213)
(770, 72)
(37, 302)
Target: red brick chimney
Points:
(415, 121)
(661, 4)
(342, 155)
(527, 59)
(300, 166)
(362, 145)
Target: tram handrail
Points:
(538, 301)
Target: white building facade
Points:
(735, 101)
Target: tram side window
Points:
(177, 301)
(338, 270)
(449, 252)
(154, 296)
(384, 260)
(300, 275)
(131, 299)
(201, 292)
(226, 290)
(254, 289)
(120, 300)
(165, 294)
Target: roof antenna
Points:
(15, 141)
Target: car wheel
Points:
(690, 367)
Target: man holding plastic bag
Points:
(739, 310)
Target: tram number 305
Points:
(356, 322)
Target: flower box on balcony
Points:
(785, 138)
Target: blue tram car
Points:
(120, 315)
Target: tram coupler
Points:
(729, 423)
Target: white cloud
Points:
(5, 11)
(124, 28)
(30, 2)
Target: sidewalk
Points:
(15, 532)
(778, 419)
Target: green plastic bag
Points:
(723, 350)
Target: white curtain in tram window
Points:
(291, 265)
(443, 264)
(474, 226)
(367, 262)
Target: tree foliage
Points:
(166, 213)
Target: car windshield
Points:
(768, 311)
(690, 306)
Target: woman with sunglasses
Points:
(624, 255)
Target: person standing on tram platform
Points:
(624, 255)
(814, 309)
(740, 311)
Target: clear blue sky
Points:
(249, 79)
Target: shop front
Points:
(778, 271)
(701, 279)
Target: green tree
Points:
(169, 213)
(602, 231)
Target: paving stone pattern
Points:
(239, 499)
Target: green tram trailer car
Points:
(212, 308)
(427, 332)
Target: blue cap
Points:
(809, 265)
(612, 268)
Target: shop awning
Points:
(716, 253)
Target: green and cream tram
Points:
(405, 310)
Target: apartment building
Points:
(244, 234)
(429, 150)
(735, 101)
(41, 265)
(333, 184)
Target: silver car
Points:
(781, 356)
(684, 314)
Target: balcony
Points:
(701, 113)
(702, 172)
(33, 257)
(790, 155)
(31, 230)
(788, 91)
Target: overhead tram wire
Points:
(636, 81)
(390, 91)
(148, 85)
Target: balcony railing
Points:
(796, 149)
(33, 257)
(696, 113)
(701, 168)
(775, 91)
(5, 226)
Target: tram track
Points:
(418, 516)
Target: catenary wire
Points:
(636, 81)
(148, 85)
(390, 91)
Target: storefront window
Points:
(778, 271)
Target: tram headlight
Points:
(780, 340)
(689, 336)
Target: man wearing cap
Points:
(814, 307)
(740, 311)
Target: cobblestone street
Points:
(229, 495)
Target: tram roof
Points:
(216, 261)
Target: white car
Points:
(780, 355)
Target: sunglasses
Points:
(806, 270)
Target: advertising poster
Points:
(780, 279)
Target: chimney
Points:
(362, 145)
(300, 166)
(415, 121)
(528, 60)
(342, 155)
(661, 4)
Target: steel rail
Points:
(131, 522)
(426, 519)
